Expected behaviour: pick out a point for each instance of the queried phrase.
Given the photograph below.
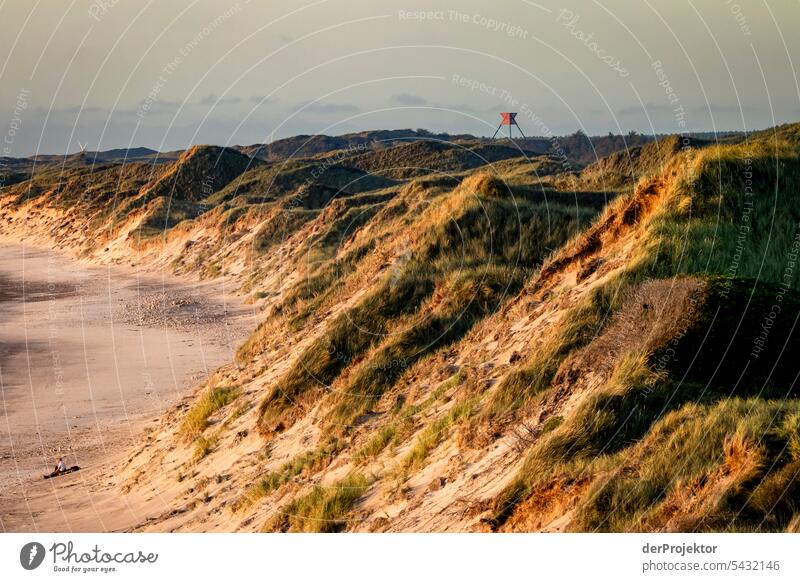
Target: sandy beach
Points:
(89, 358)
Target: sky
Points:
(169, 74)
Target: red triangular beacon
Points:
(508, 118)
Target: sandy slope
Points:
(89, 357)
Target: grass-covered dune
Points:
(465, 336)
(692, 425)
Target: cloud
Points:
(212, 99)
(70, 111)
(408, 99)
(261, 99)
(330, 108)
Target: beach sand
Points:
(90, 357)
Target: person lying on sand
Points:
(61, 467)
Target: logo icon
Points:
(31, 555)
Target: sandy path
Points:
(89, 356)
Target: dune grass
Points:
(500, 239)
(614, 425)
(376, 444)
(579, 326)
(347, 337)
(471, 249)
(212, 400)
(725, 466)
(711, 219)
(323, 509)
(402, 423)
(457, 304)
(203, 446)
(433, 435)
(306, 463)
(734, 213)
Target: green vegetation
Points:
(375, 445)
(203, 446)
(431, 299)
(347, 337)
(324, 509)
(281, 225)
(469, 296)
(402, 423)
(552, 423)
(433, 435)
(734, 213)
(196, 419)
(307, 463)
(711, 354)
(686, 436)
(579, 326)
(687, 421)
(724, 467)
